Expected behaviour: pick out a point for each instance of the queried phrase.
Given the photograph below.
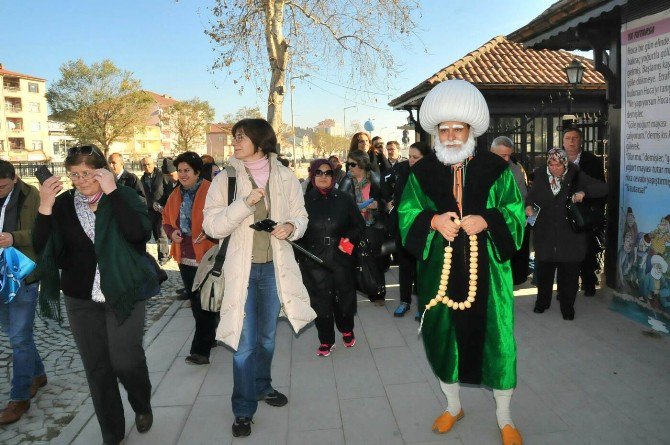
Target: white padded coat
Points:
(286, 205)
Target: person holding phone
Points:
(335, 226)
(182, 222)
(95, 235)
(364, 186)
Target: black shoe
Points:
(569, 317)
(275, 398)
(589, 292)
(164, 261)
(197, 359)
(182, 294)
(143, 422)
(242, 427)
(537, 310)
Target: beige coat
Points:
(287, 205)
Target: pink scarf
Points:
(260, 170)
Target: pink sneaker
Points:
(324, 350)
(349, 339)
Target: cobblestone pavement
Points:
(57, 403)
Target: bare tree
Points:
(101, 102)
(257, 38)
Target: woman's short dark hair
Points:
(361, 158)
(423, 148)
(89, 155)
(260, 132)
(207, 171)
(192, 159)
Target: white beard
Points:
(656, 273)
(454, 152)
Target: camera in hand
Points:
(266, 225)
(42, 173)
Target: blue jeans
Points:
(253, 359)
(17, 321)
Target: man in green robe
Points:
(468, 200)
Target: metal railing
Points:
(27, 169)
(9, 87)
(13, 108)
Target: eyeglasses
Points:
(84, 175)
(328, 173)
(379, 145)
(239, 137)
(362, 140)
(352, 164)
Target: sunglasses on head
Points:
(379, 145)
(352, 164)
(85, 150)
(328, 173)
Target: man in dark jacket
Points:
(123, 176)
(152, 183)
(20, 202)
(590, 164)
(378, 161)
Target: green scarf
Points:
(126, 275)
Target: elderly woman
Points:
(96, 234)
(557, 246)
(182, 222)
(334, 223)
(364, 186)
(260, 270)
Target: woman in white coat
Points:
(260, 271)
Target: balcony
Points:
(17, 144)
(13, 107)
(11, 84)
(14, 125)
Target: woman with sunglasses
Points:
(364, 186)
(335, 226)
(96, 234)
(260, 269)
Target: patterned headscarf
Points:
(560, 155)
(313, 167)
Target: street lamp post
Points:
(575, 73)
(292, 78)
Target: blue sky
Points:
(163, 44)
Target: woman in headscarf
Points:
(557, 246)
(334, 224)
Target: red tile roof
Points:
(220, 128)
(502, 64)
(163, 100)
(4, 72)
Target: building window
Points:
(2, 145)
(33, 107)
(220, 138)
(36, 126)
(37, 145)
(33, 87)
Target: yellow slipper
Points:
(446, 421)
(511, 436)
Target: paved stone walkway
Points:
(596, 380)
(57, 404)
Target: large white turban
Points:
(657, 259)
(454, 100)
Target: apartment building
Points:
(24, 131)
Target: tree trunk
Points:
(278, 56)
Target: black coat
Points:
(129, 179)
(153, 187)
(331, 217)
(554, 239)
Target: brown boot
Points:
(38, 382)
(14, 411)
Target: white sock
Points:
(451, 391)
(503, 399)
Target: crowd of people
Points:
(456, 220)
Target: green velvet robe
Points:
(443, 337)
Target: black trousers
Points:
(159, 234)
(325, 326)
(109, 352)
(205, 321)
(406, 272)
(590, 264)
(567, 280)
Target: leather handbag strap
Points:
(221, 254)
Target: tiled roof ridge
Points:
(6, 72)
(469, 57)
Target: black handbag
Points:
(369, 276)
(583, 216)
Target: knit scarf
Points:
(186, 207)
(86, 218)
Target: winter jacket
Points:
(554, 239)
(171, 218)
(221, 220)
(28, 203)
(331, 217)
